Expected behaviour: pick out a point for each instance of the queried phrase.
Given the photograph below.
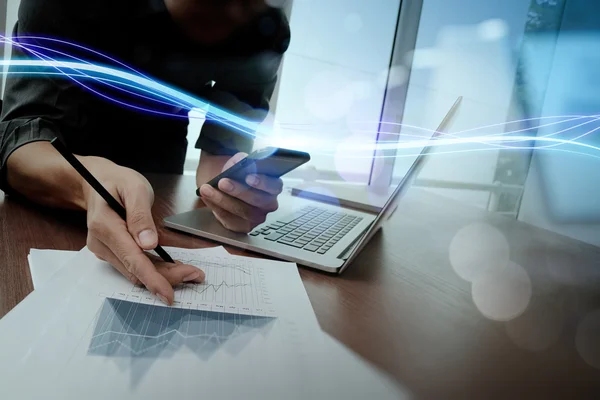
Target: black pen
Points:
(112, 202)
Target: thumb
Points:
(138, 204)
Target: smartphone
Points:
(270, 161)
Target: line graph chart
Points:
(232, 285)
(230, 310)
(128, 329)
(216, 288)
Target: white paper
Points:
(233, 285)
(46, 350)
(44, 263)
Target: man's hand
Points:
(240, 207)
(51, 180)
(122, 243)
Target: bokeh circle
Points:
(502, 293)
(476, 249)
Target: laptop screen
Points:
(403, 186)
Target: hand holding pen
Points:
(121, 227)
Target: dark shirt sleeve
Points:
(34, 108)
(246, 91)
(251, 104)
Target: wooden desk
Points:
(400, 305)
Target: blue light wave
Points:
(136, 84)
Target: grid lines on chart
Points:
(129, 329)
(230, 286)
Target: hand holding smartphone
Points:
(270, 161)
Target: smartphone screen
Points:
(270, 161)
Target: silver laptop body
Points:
(311, 233)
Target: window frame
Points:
(405, 40)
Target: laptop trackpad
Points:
(203, 220)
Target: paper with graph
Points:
(74, 342)
(234, 285)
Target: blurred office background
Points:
(353, 64)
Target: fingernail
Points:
(163, 299)
(226, 185)
(148, 238)
(206, 191)
(192, 276)
(252, 180)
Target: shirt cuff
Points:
(223, 141)
(17, 133)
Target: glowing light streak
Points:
(226, 117)
(89, 50)
(51, 62)
(76, 69)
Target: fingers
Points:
(235, 206)
(122, 243)
(268, 184)
(112, 232)
(256, 198)
(138, 199)
(229, 220)
(175, 274)
(104, 254)
(240, 207)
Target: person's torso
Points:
(130, 129)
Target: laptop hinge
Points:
(350, 249)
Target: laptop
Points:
(315, 234)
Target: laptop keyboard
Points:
(313, 229)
